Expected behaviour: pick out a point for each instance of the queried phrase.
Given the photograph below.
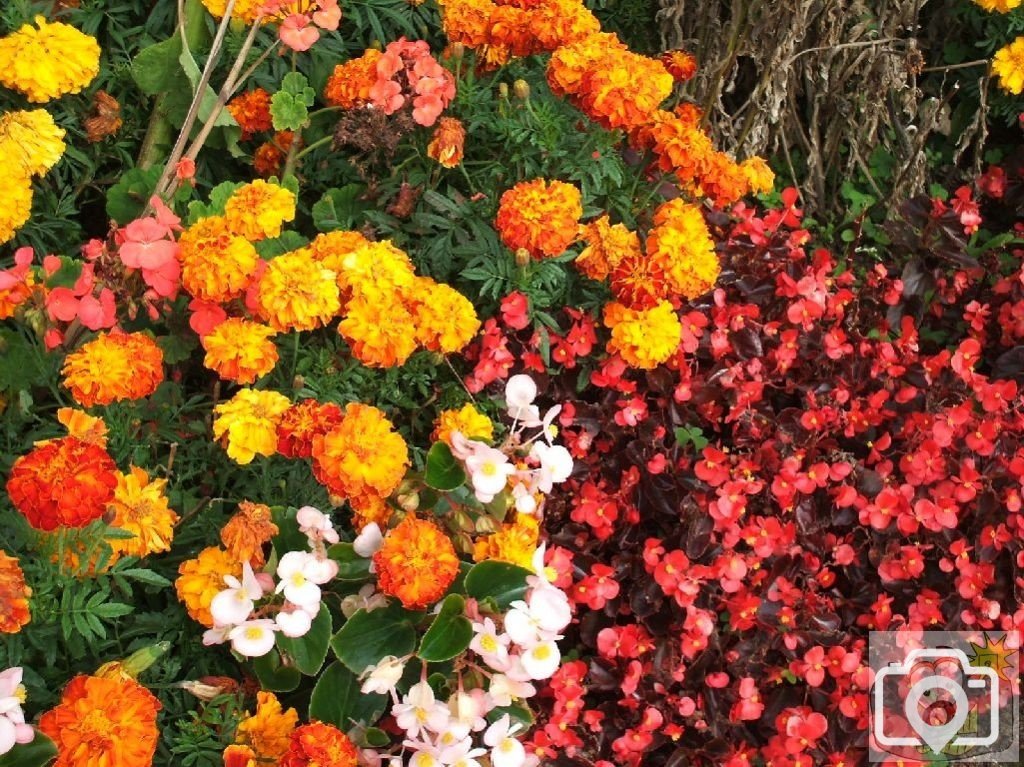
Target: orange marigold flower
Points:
(445, 319)
(83, 426)
(251, 111)
(62, 483)
(239, 756)
(140, 507)
(200, 579)
(247, 532)
(215, 264)
(332, 248)
(258, 210)
(369, 508)
(644, 338)
(468, 421)
(640, 282)
(680, 64)
(296, 292)
(515, 542)
(447, 143)
(319, 745)
(416, 563)
(555, 23)
(378, 269)
(114, 367)
(14, 594)
(681, 246)
(467, 21)
(510, 29)
(349, 85)
(239, 350)
(268, 731)
(103, 722)
(301, 423)
(571, 63)
(268, 159)
(607, 245)
(679, 144)
(361, 455)
(377, 328)
(15, 295)
(540, 216)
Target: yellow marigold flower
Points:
(607, 245)
(681, 245)
(200, 579)
(416, 563)
(114, 367)
(48, 62)
(247, 423)
(349, 85)
(140, 507)
(375, 269)
(247, 532)
(644, 338)
(540, 216)
(239, 350)
(296, 292)
(570, 63)
(14, 594)
(447, 143)
(215, 264)
(1000, 6)
(258, 210)
(445, 319)
(362, 455)
(244, 10)
(1008, 64)
(15, 199)
(83, 426)
(760, 177)
(331, 248)
(268, 731)
(378, 328)
(515, 542)
(32, 140)
(468, 421)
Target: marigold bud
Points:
(522, 257)
(521, 89)
(503, 90)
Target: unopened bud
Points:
(298, 382)
(409, 501)
(522, 257)
(457, 51)
(522, 89)
(376, 44)
(503, 90)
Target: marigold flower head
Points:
(247, 423)
(103, 722)
(361, 455)
(295, 292)
(679, 144)
(1000, 6)
(331, 248)
(515, 542)
(445, 319)
(114, 367)
(644, 338)
(62, 483)
(15, 199)
(319, 745)
(570, 63)
(554, 23)
(31, 140)
(248, 531)
(540, 216)
(17, 284)
(1008, 65)
(681, 246)
(215, 264)
(140, 507)
(377, 328)
(83, 426)
(467, 421)
(607, 245)
(268, 159)
(467, 21)
(258, 210)
(621, 89)
(369, 508)
(251, 111)
(680, 64)
(49, 61)
(239, 756)
(301, 423)
(416, 563)
(640, 282)
(240, 350)
(244, 10)
(447, 143)
(349, 85)
(376, 269)
(14, 594)
(200, 579)
(760, 177)
(268, 731)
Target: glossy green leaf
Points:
(367, 637)
(351, 566)
(40, 751)
(307, 653)
(337, 700)
(443, 471)
(273, 675)
(449, 634)
(501, 581)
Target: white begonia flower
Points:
(520, 391)
(216, 635)
(253, 638)
(555, 465)
(419, 709)
(234, 604)
(322, 570)
(506, 751)
(316, 525)
(424, 757)
(383, 677)
(368, 598)
(525, 502)
(504, 690)
(469, 709)
(453, 749)
(299, 571)
(550, 607)
(490, 645)
(543, 575)
(489, 470)
(13, 730)
(369, 541)
(542, 660)
(294, 623)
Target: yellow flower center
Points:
(543, 652)
(253, 633)
(489, 469)
(488, 643)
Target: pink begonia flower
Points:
(387, 94)
(298, 33)
(329, 15)
(147, 247)
(205, 316)
(98, 313)
(51, 265)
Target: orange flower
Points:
(259, 210)
(14, 594)
(319, 745)
(369, 508)
(268, 731)
(201, 578)
(301, 423)
(239, 350)
(416, 563)
(447, 143)
(468, 421)
(83, 426)
(680, 64)
(247, 532)
(607, 245)
(114, 367)
(514, 542)
(296, 292)
(349, 85)
(363, 455)
(239, 756)
(681, 247)
(140, 507)
(62, 483)
(331, 248)
(445, 320)
(268, 158)
(377, 327)
(251, 111)
(215, 264)
(103, 723)
(539, 216)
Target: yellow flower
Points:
(376, 268)
(362, 455)
(268, 731)
(468, 421)
(644, 338)
(379, 328)
(83, 426)
(515, 542)
(245, 10)
(1002, 6)
(239, 350)
(114, 367)
(215, 264)
(445, 319)
(140, 507)
(330, 248)
(296, 292)
(248, 423)
(1009, 65)
(760, 177)
(15, 199)
(200, 579)
(680, 245)
(48, 62)
(31, 139)
(258, 210)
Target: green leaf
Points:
(339, 208)
(520, 714)
(449, 634)
(145, 576)
(156, 68)
(273, 675)
(337, 700)
(308, 653)
(289, 537)
(443, 471)
(19, 365)
(367, 637)
(501, 581)
(112, 610)
(40, 751)
(351, 566)
(288, 112)
(129, 196)
(296, 84)
(219, 197)
(278, 246)
(208, 101)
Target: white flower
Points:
(490, 645)
(299, 571)
(555, 465)
(525, 502)
(316, 525)
(458, 749)
(541, 660)
(504, 690)
(253, 638)
(520, 392)
(489, 470)
(540, 619)
(233, 605)
(13, 729)
(216, 635)
(367, 598)
(469, 709)
(294, 623)
(383, 677)
(418, 709)
(369, 541)
(506, 751)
